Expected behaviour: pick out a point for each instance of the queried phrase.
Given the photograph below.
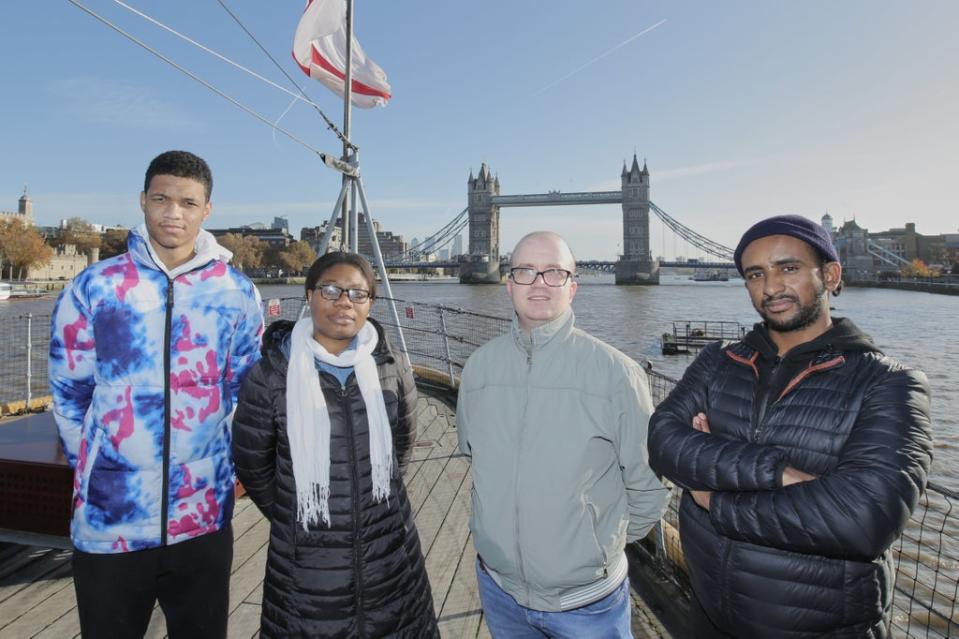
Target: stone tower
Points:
(482, 263)
(636, 265)
(25, 208)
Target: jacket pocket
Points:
(115, 492)
(88, 457)
(594, 524)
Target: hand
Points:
(794, 476)
(701, 497)
(700, 423)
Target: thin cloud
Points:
(103, 101)
(613, 184)
(701, 169)
(601, 56)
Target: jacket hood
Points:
(206, 248)
(843, 336)
(277, 336)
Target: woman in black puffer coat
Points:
(344, 559)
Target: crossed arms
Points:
(855, 510)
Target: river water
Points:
(919, 329)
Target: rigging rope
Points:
(329, 123)
(187, 72)
(301, 96)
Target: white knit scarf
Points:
(308, 421)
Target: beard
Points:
(807, 315)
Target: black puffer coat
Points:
(364, 576)
(811, 559)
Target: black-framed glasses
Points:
(333, 292)
(551, 276)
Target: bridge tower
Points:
(481, 266)
(636, 264)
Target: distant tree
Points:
(9, 229)
(80, 233)
(22, 247)
(271, 257)
(916, 268)
(113, 242)
(247, 250)
(297, 256)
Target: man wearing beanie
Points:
(802, 451)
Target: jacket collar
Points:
(842, 337)
(541, 336)
(206, 248)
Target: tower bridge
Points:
(635, 266)
(483, 263)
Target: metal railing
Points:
(24, 346)
(442, 338)
(926, 556)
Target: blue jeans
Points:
(608, 618)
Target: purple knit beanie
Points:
(793, 225)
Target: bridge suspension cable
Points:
(885, 255)
(698, 240)
(442, 237)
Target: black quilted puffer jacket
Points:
(364, 575)
(811, 559)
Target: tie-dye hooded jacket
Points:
(145, 366)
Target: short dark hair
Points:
(328, 261)
(182, 164)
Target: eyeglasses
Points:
(332, 292)
(551, 277)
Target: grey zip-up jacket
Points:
(556, 423)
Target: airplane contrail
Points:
(601, 56)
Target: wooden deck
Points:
(36, 589)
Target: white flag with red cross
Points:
(319, 47)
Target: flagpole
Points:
(348, 212)
(350, 208)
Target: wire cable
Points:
(192, 75)
(329, 123)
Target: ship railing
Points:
(926, 556)
(441, 338)
(24, 346)
(707, 330)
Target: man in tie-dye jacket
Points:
(147, 353)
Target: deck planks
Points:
(37, 598)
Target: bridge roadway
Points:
(582, 264)
(556, 198)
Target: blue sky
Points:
(741, 109)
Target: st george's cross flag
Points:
(319, 47)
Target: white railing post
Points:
(29, 359)
(446, 345)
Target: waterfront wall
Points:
(935, 285)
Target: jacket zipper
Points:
(761, 398)
(361, 630)
(168, 339)
(165, 501)
(759, 429)
(519, 449)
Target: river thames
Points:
(919, 329)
